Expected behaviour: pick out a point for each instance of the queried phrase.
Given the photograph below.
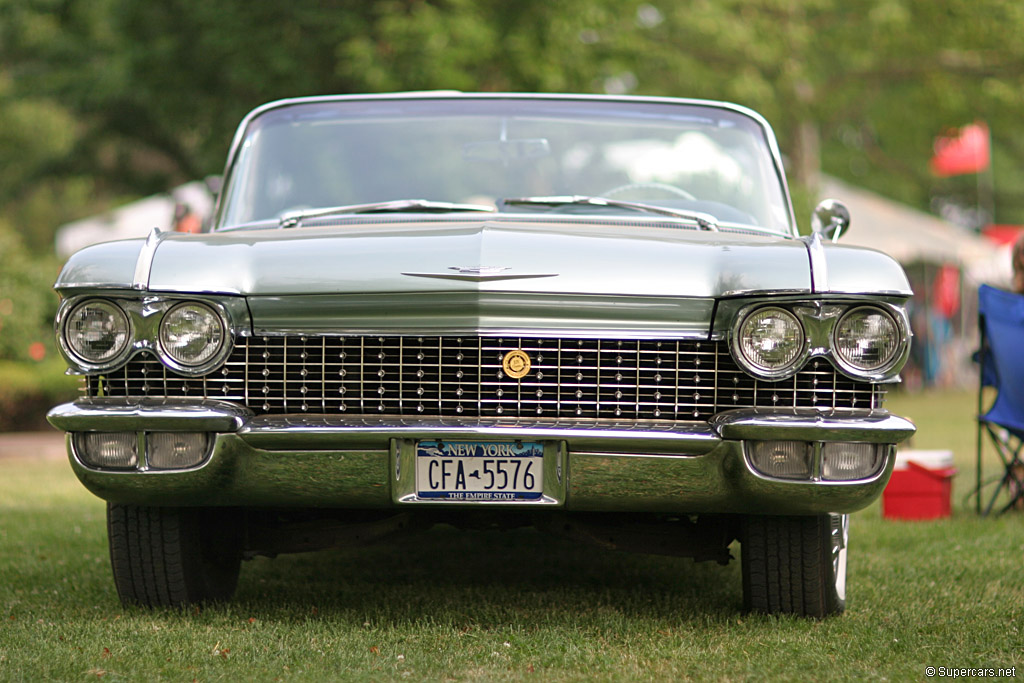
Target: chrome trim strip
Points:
(145, 263)
(764, 292)
(483, 331)
(294, 431)
(448, 313)
(818, 262)
(106, 286)
(869, 426)
(161, 415)
(481, 277)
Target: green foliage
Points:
(27, 302)
(132, 98)
(33, 134)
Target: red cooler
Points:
(920, 487)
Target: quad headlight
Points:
(97, 331)
(770, 342)
(98, 334)
(864, 341)
(191, 334)
(867, 339)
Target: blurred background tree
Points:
(106, 100)
(103, 101)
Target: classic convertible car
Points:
(593, 315)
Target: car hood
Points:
(483, 276)
(484, 256)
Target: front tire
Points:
(795, 565)
(171, 557)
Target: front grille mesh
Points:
(463, 377)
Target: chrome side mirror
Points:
(831, 219)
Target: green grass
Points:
(480, 606)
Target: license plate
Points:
(479, 470)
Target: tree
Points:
(859, 87)
(103, 99)
(27, 305)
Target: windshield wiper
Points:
(703, 220)
(293, 219)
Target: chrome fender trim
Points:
(151, 415)
(870, 426)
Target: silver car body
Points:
(397, 307)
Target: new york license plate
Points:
(479, 470)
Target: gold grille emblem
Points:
(516, 364)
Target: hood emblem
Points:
(479, 274)
(478, 270)
(516, 364)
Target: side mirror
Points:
(831, 219)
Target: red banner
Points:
(965, 152)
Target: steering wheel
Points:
(660, 187)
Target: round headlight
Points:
(97, 331)
(191, 334)
(770, 342)
(867, 339)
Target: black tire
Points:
(795, 565)
(171, 557)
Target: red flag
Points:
(965, 152)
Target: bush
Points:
(29, 389)
(27, 301)
(32, 375)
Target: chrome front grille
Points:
(463, 377)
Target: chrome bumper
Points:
(314, 461)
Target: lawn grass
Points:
(470, 606)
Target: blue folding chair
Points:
(1001, 356)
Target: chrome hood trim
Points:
(472, 313)
(479, 275)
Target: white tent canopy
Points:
(133, 220)
(909, 235)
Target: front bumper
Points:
(322, 461)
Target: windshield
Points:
(309, 156)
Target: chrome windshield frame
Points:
(784, 222)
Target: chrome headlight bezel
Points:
(145, 315)
(876, 369)
(73, 352)
(819, 319)
(759, 367)
(216, 355)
